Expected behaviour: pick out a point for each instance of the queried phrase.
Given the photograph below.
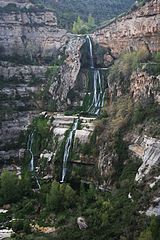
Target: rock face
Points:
(30, 31)
(81, 223)
(20, 85)
(29, 39)
(145, 87)
(132, 31)
(151, 157)
(68, 72)
(62, 123)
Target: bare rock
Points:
(82, 223)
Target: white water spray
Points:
(67, 149)
(98, 94)
(29, 148)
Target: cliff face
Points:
(130, 32)
(29, 40)
(68, 73)
(27, 30)
(144, 86)
(20, 86)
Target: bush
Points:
(9, 187)
(138, 114)
(41, 126)
(126, 64)
(21, 226)
(60, 197)
(153, 67)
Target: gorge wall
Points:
(139, 28)
(29, 41)
(29, 31)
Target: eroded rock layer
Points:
(132, 31)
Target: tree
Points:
(61, 196)
(82, 27)
(78, 25)
(9, 187)
(54, 197)
(91, 22)
(146, 235)
(26, 184)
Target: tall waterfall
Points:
(29, 148)
(98, 93)
(67, 149)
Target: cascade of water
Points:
(98, 94)
(29, 148)
(67, 149)
(90, 51)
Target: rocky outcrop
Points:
(105, 163)
(62, 123)
(28, 31)
(150, 157)
(144, 86)
(68, 72)
(132, 31)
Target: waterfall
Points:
(98, 93)
(67, 149)
(91, 51)
(29, 148)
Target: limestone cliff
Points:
(130, 32)
(29, 41)
(29, 31)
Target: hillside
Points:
(68, 10)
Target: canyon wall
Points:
(140, 27)
(29, 41)
(28, 30)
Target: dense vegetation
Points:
(68, 10)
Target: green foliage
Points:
(152, 232)
(126, 64)
(150, 111)
(146, 235)
(60, 197)
(41, 126)
(91, 22)
(67, 11)
(21, 226)
(138, 114)
(153, 67)
(82, 27)
(52, 71)
(9, 187)
(26, 183)
(79, 26)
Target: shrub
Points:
(126, 64)
(41, 126)
(9, 187)
(61, 196)
(138, 114)
(21, 225)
